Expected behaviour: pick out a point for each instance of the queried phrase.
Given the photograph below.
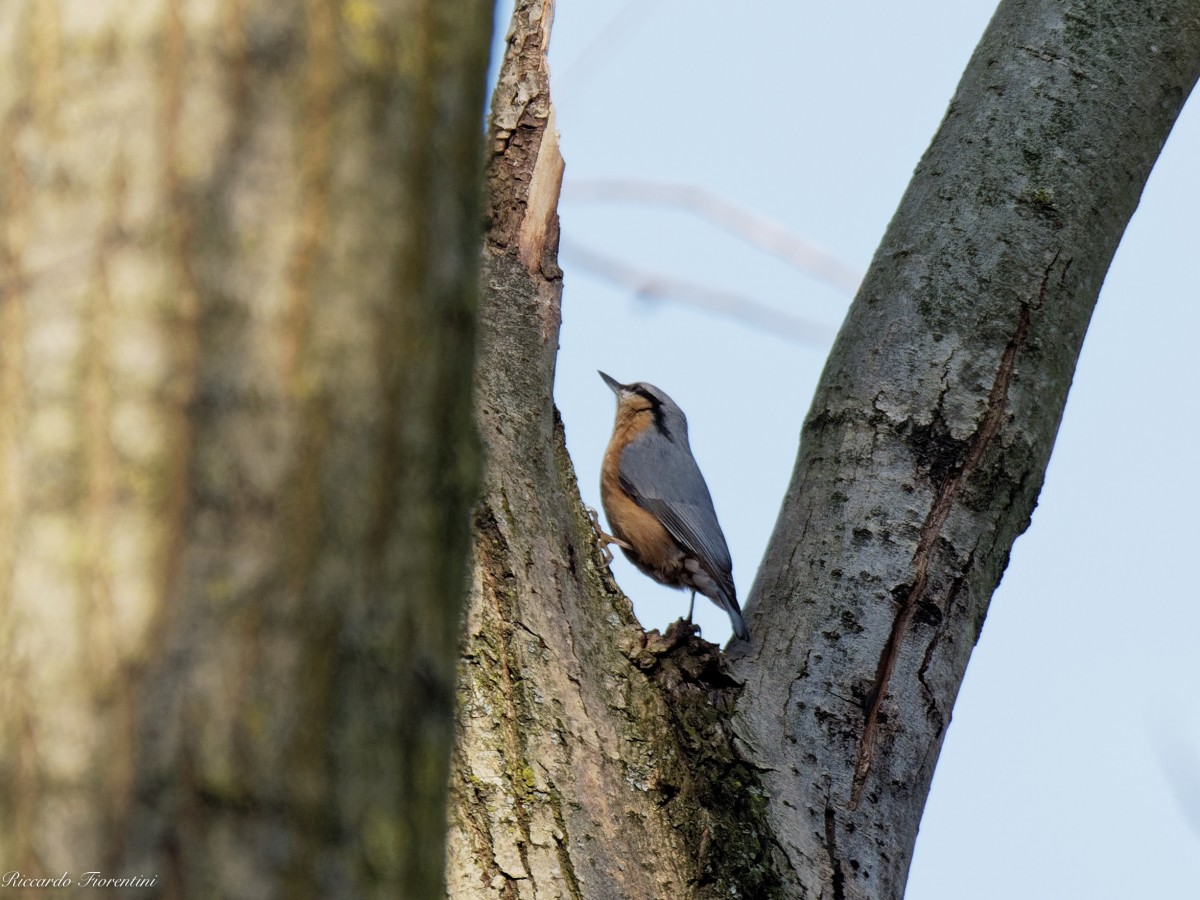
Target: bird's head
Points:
(643, 399)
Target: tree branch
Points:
(927, 442)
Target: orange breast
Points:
(654, 550)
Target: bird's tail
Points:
(729, 603)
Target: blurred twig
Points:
(649, 285)
(755, 229)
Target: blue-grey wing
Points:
(662, 477)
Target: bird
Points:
(657, 502)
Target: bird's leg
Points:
(605, 539)
(691, 606)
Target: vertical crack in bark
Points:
(839, 876)
(931, 530)
(932, 707)
(931, 704)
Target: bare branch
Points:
(754, 228)
(649, 285)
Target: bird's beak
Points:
(614, 385)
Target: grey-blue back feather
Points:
(660, 473)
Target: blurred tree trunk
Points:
(595, 761)
(239, 259)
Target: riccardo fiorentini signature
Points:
(15, 879)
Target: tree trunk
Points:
(596, 761)
(541, 784)
(927, 442)
(239, 263)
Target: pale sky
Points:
(1072, 766)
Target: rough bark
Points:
(595, 761)
(927, 442)
(239, 260)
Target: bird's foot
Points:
(605, 539)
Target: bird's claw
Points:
(605, 539)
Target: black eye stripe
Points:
(656, 409)
(642, 392)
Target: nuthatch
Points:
(657, 503)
